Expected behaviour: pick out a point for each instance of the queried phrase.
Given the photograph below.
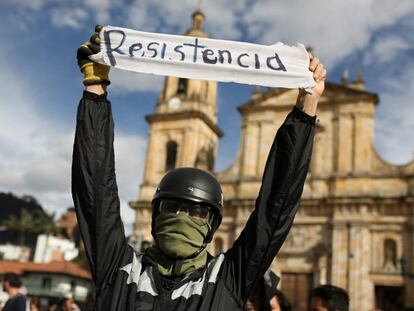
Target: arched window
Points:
(182, 86)
(390, 254)
(171, 155)
(218, 245)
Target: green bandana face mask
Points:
(179, 236)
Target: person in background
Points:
(35, 304)
(279, 302)
(11, 285)
(267, 297)
(329, 298)
(68, 304)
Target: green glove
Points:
(93, 73)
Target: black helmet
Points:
(192, 184)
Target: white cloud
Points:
(334, 28)
(36, 153)
(170, 17)
(129, 161)
(65, 13)
(394, 117)
(32, 4)
(127, 81)
(101, 9)
(385, 49)
(68, 17)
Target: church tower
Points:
(183, 132)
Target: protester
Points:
(11, 285)
(329, 298)
(67, 304)
(258, 301)
(177, 273)
(35, 303)
(266, 296)
(279, 302)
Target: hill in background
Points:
(13, 205)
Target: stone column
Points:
(322, 277)
(339, 267)
(363, 138)
(250, 149)
(409, 256)
(343, 126)
(360, 288)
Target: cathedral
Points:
(355, 225)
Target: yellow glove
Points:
(93, 73)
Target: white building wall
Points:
(46, 245)
(14, 252)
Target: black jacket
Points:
(122, 281)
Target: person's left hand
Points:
(319, 75)
(308, 102)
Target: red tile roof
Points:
(68, 268)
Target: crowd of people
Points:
(19, 300)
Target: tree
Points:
(28, 223)
(45, 224)
(23, 225)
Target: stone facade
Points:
(355, 227)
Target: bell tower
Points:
(183, 132)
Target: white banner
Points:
(276, 65)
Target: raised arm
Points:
(278, 200)
(94, 187)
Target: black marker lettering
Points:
(278, 61)
(164, 46)
(256, 61)
(221, 58)
(151, 49)
(134, 48)
(178, 50)
(109, 50)
(207, 60)
(196, 46)
(239, 60)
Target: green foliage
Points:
(46, 224)
(23, 225)
(28, 223)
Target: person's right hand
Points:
(93, 73)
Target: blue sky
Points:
(40, 82)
